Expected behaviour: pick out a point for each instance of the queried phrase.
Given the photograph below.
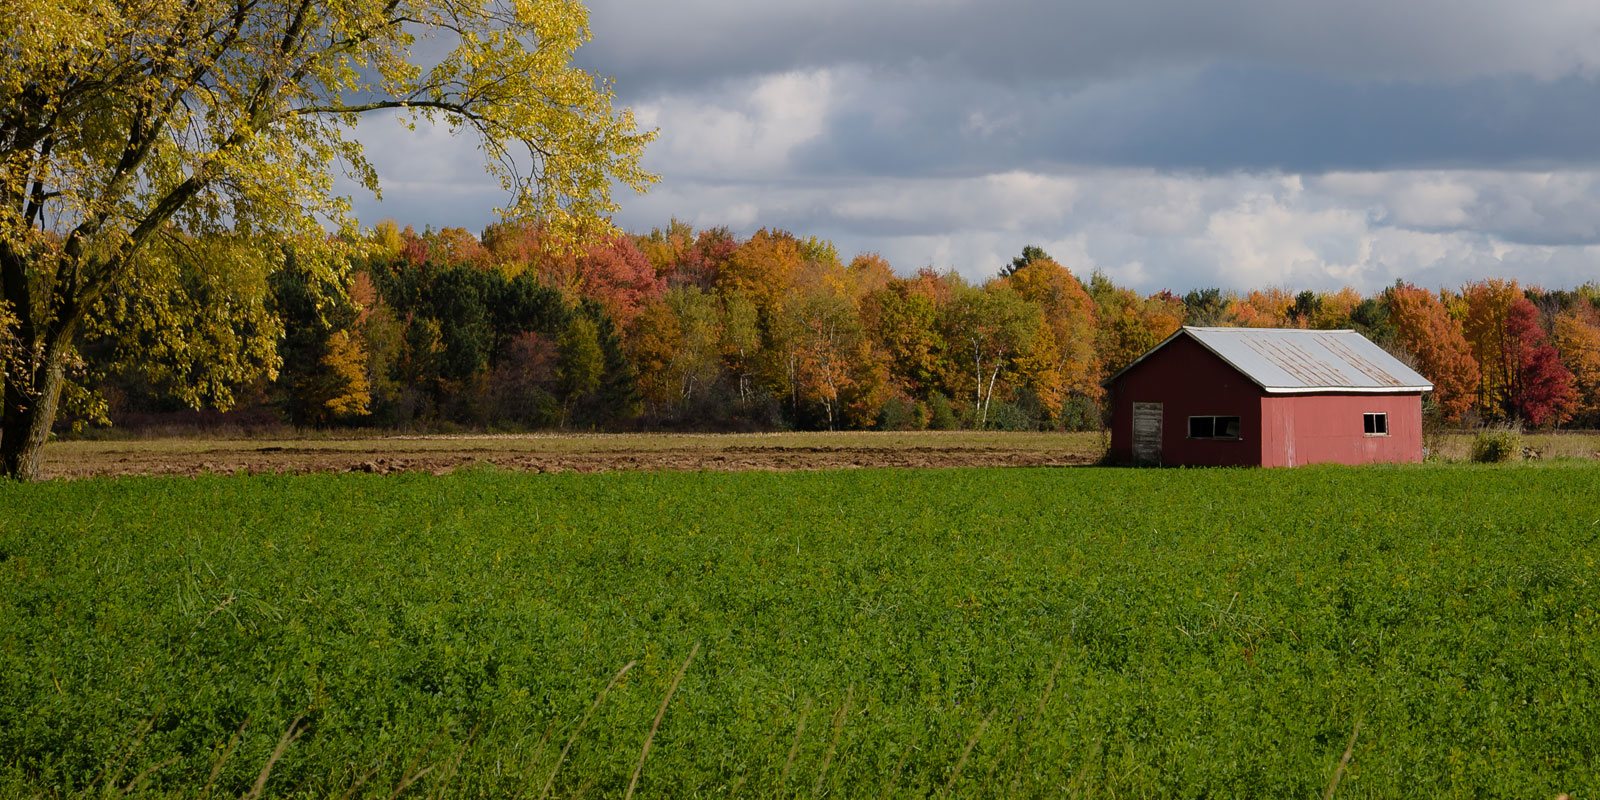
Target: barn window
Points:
(1213, 427)
(1375, 424)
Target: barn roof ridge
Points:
(1300, 360)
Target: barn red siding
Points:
(1327, 429)
(1276, 430)
(1188, 380)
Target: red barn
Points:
(1266, 397)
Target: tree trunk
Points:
(977, 376)
(26, 419)
(988, 397)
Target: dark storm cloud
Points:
(656, 46)
(941, 87)
(1218, 119)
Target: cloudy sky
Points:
(1169, 143)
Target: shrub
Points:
(901, 414)
(1496, 445)
(1080, 413)
(941, 417)
(1004, 416)
(1434, 430)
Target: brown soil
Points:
(390, 455)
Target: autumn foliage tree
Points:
(1577, 339)
(1522, 374)
(344, 392)
(1425, 329)
(675, 343)
(654, 345)
(903, 318)
(763, 268)
(1262, 308)
(1541, 389)
(1324, 310)
(1487, 306)
(123, 124)
(830, 352)
(324, 376)
(616, 275)
(1069, 319)
(989, 329)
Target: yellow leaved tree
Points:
(129, 128)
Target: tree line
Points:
(702, 330)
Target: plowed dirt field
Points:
(569, 453)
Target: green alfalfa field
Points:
(1371, 632)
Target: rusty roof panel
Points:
(1376, 372)
(1295, 361)
(1292, 360)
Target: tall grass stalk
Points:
(633, 783)
(839, 719)
(794, 749)
(582, 723)
(222, 758)
(966, 752)
(289, 737)
(1344, 762)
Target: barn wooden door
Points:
(1147, 434)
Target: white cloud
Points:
(1155, 230)
(1269, 240)
(1526, 207)
(745, 131)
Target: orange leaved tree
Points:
(1425, 329)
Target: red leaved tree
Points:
(1541, 386)
(620, 278)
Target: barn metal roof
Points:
(1294, 361)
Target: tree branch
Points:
(458, 109)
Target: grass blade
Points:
(289, 736)
(227, 753)
(833, 744)
(662, 712)
(550, 784)
(794, 749)
(966, 752)
(1344, 761)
